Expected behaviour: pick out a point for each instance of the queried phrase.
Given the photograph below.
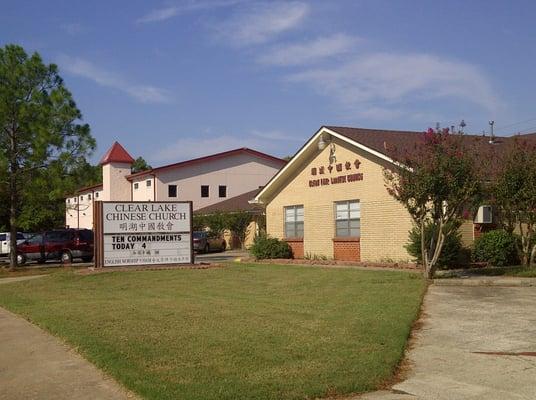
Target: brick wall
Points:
(346, 249)
(385, 223)
(297, 247)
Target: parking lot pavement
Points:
(476, 342)
(225, 256)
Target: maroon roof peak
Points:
(118, 154)
(216, 156)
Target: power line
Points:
(516, 123)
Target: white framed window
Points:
(172, 190)
(81, 198)
(294, 221)
(205, 191)
(97, 195)
(348, 218)
(148, 182)
(89, 196)
(136, 186)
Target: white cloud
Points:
(262, 22)
(394, 80)
(192, 147)
(142, 93)
(308, 52)
(162, 14)
(73, 28)
(276, 135)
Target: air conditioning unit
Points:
(484, 215)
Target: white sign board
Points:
(145, 233)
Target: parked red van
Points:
(62, 245)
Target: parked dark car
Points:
(63, 245)
(204, 242)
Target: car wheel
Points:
(207, 248)
(223, 246)
(87, 259)
(66, 257)
(21, 259)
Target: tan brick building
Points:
(330, 200)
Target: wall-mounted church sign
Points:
(326, 177)
(143, 233)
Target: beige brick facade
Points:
(384, 222)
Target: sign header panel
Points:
(148, 217)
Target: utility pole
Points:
(492, 139)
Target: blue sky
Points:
(172, 80)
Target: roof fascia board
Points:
(311, 142)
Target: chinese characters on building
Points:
(326, 178)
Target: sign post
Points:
(143, 233)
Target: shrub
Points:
(265, 247)
(452, 254)
(497, 247)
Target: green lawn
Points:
(241, 332)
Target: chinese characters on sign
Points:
(346, 167)
(146, 233)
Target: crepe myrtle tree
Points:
(39, 125)
(514, 195)
(239, 223)
(435, 181)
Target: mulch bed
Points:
(93, 270)
(334, 263)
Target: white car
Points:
(4, 242)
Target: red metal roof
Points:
(118, 154)
(209, 158)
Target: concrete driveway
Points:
(476, 343)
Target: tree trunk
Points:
(13, 169)
(532, 256)
(432, 263)
(424, 253)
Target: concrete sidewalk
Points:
(502, 281)
(36, 365)
(19, 278)
(476, 342)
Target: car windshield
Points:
(199, 235)
(35, 239)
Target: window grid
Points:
(348, 218)
(294, 221)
